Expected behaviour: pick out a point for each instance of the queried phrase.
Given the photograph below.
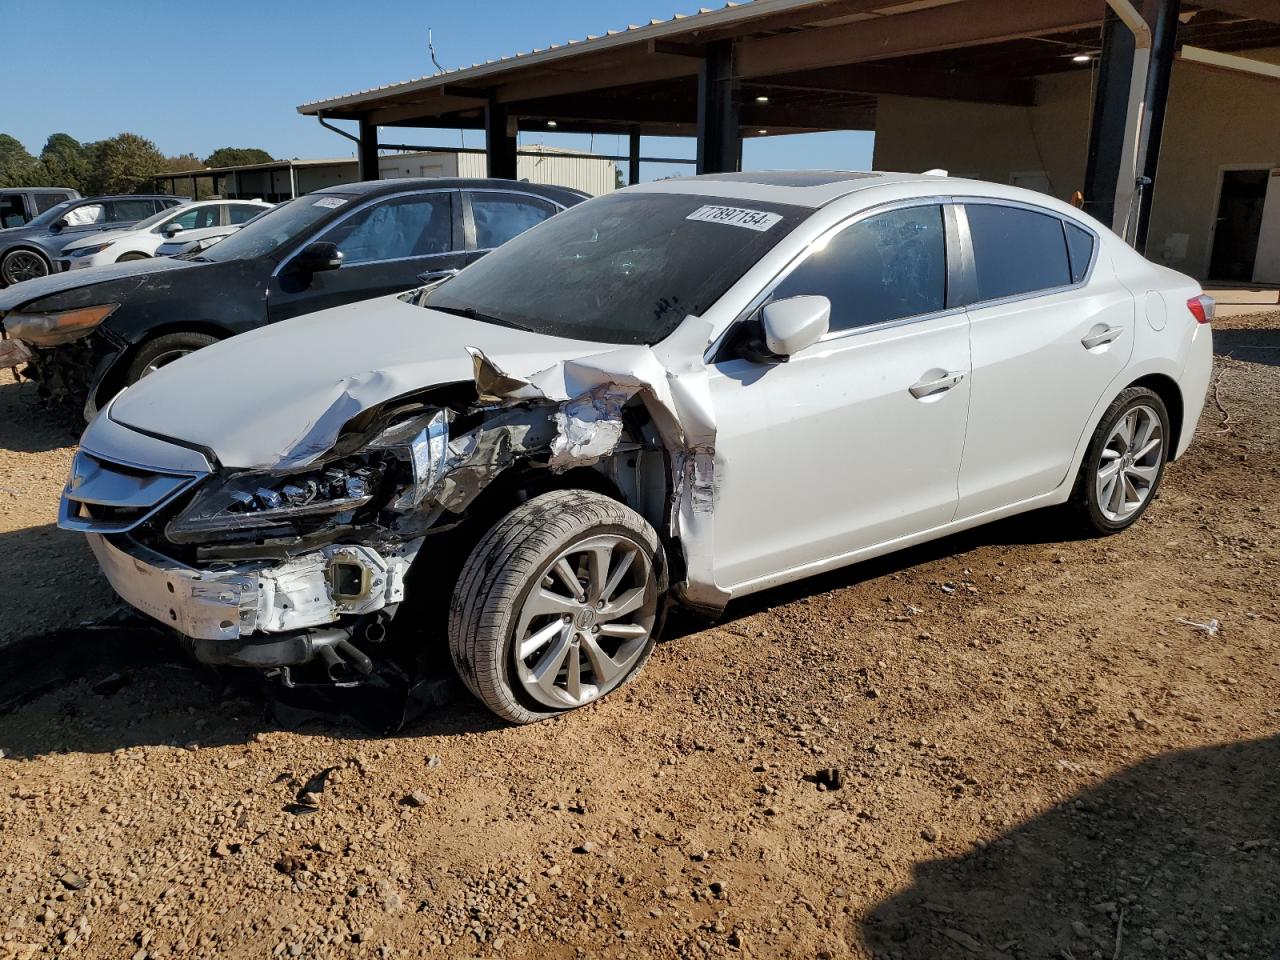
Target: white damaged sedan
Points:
(684, 391)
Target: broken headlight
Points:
(249, 501)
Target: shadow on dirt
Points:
(1178, 856)
(1253, 346)
(124, 684)
(27, 425)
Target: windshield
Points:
(52, 214)
(276, 227)
(624, 268)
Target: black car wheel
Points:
(20, 265)
(162, 351)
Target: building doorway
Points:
(1242, 200)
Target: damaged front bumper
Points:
(14, 353)
(261, 614)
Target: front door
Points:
(386, 245)
(855, 441)
(1048, 338)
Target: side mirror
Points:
(172, 229)
(318, 256)
(58, 225)
(795, 323)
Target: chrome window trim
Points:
(820, 242)
(963, 223)
(361, 207)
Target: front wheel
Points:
(557, 605)
(162, 351)
(1124, 464)
(127, 257)
(20, 265)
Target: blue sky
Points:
(194, 77)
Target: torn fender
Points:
(671, 381)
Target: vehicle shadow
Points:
(1177, 856)
(27, 425)
(1049, 525)
(1255, 346)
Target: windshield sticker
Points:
(759, 220)
(333, 203)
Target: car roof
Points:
(370, 188)
(801, 188)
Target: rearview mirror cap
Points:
(319, 256)
(58, 225)
(172, 229)
(795, 323)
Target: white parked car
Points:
(144, 238)
(193, 241)
(689, 390)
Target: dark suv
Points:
(87, 334)
(29, 251)
(21, 205)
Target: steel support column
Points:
(1164, 36)
(367, 151)
(718, 136)
(633, 158)
(1128, 113)
(500, 141)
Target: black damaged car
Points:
(84, 336)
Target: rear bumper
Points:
(1194, 383)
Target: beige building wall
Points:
(1215, 120)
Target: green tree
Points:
(236, 157)
(17, 166)
(65, 162)
(123, 164)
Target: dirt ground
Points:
(1036, 756)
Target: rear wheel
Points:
(20, 265)
(162, 351)
(557, 605)
(1124, 464)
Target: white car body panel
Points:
(142, 242)
(804, 466)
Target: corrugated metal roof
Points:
(705, 18)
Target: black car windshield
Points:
(624, 268)
(276, 227)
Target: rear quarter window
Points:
(1017, 251)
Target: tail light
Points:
(1201, 308)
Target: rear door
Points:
(492, 217)
(1050, 331)
(386, 245)
(855, 441)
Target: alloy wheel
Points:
(1130, 463)
(23, 265)
(586, 622)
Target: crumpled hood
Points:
(279, 396)
(94, 239)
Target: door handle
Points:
(1101, 337)
(927, 388)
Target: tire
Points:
(126, 257)
(494, 600)
(23, 264)
(1104, 507)
(163, 350)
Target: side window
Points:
(46, 200)
(241, 212)
(413, 226)
(886, 267)
(126, 211)
(193, 219)
(501, 216)
(12, 212)
(1079, 249)
(84, 214)
(1016, 250)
